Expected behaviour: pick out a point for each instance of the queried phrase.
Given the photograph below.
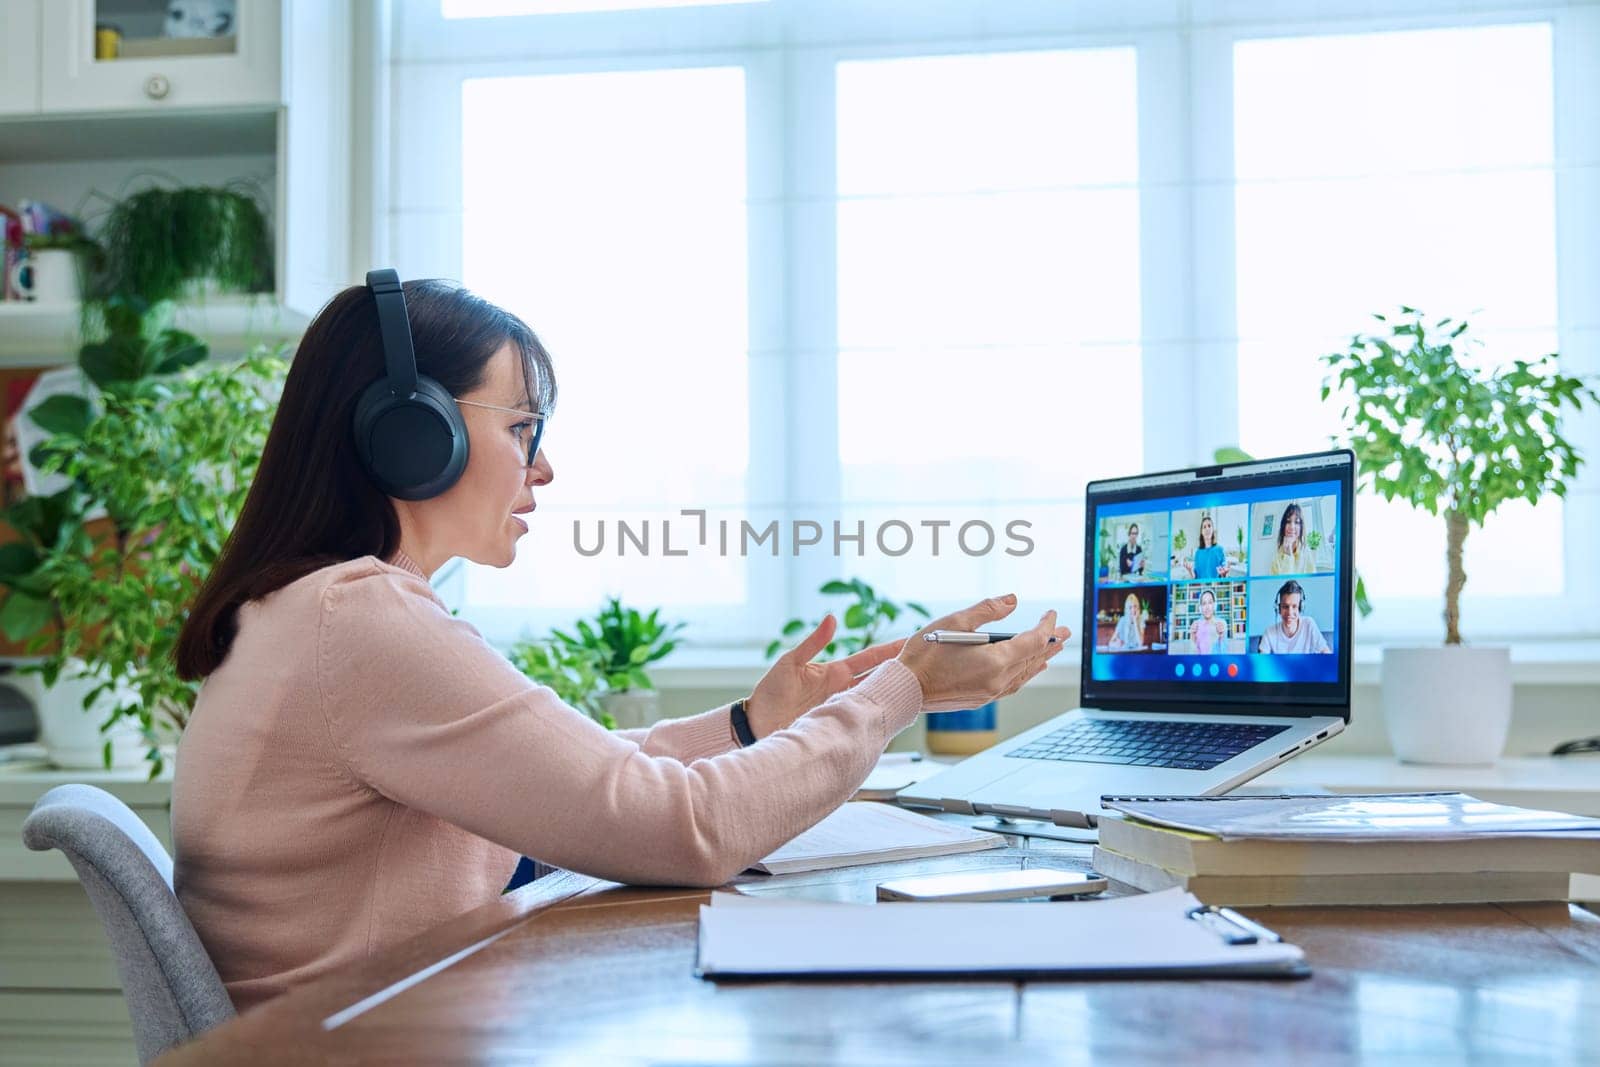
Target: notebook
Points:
(1166, 934)
(864, 832)
(1350, 817)
(1406, 848)
(1349, 889)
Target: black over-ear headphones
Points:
(409, 432)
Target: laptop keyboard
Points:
(1191, 746)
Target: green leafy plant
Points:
(1180, 541)
(1314, 540)
(623, 642)
(574, 673)
(1441, 430)
(136, 352)
(159, 240)
(167, 460)
(65, 241)
(862, 622)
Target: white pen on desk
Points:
(900, 757)
(967, 637)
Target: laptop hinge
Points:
(960, 807)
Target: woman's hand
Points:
(955, 677)
(794, 685)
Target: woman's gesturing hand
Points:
(955, 677)
(794, 685)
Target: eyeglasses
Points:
(536, 417)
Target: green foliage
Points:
(167, 461)
(1443, 435)
(68, 241)
(1180, 541)
(574, 673)
(860, 623)
(158, 240)
(623, 642)
(1314, 540)
(1448, 433)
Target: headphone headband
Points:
(398, 356)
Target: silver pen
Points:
(967, 637)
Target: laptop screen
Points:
(1228, 585)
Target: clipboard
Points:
(1163, 935)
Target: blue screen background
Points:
(1246, 667)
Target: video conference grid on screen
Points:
(1227, 586)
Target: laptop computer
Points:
(1216, 643)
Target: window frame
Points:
(788, 49)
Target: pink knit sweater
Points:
(363, 766)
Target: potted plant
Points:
(574, 674)
(1429, 427)
(622, 642)
(1180, 541)
(56, 265)
(165, 450)
(161, 243)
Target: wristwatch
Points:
(741, 723)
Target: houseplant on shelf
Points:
(161, 244)
(165, 451)
(622, 643)
(1449, 435)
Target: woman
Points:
(361, 765)
(1292, 556)
(1209, 561)
(1129, 635)
(1208, 630)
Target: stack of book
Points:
(1408, 848)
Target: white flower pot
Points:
(70, 734)
(1447, 704)
(633, 708)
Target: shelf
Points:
(48, 333)
(62, 137)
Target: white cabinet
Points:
(19, 57)
(272, 106)
(239, 69)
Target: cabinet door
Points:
(150, 70)
(19, 57)
(314, 156)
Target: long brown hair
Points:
(312, 504)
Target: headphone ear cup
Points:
(413, 447)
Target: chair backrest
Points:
(171, 986)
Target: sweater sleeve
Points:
(687, 739)
(423, 711)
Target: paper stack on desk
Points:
(1404, 848)
(865, 832)
(1158, 933)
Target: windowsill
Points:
(1532, 663)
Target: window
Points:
(483, 9)
(988, 269)
(1379, 169)
(613, 222)
(908, 268)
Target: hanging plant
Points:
(159, 241)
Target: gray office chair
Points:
(170, 983)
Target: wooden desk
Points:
(572, 969)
